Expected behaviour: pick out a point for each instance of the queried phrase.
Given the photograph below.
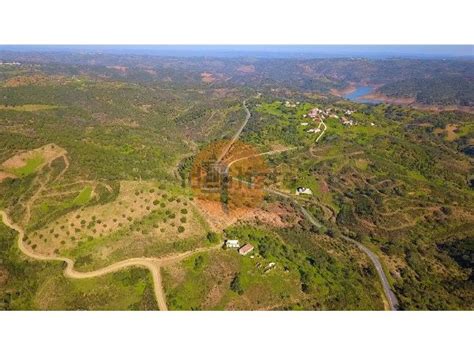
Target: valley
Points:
(355, 205)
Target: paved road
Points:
(390, 296)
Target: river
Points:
(358, 95)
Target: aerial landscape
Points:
(219, 178)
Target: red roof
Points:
(247, 248)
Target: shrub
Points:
(198, 262)
(212, 237)
(236, 286)
(180, 229)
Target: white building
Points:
(232, 243)
(303, 191)
(304, 123)
(347, 122)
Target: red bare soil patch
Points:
(4, 175)
(207, 77)
(219, 219)
(324, 186)
(246, 69)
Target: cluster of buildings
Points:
(10, 63)
(234, 244)
(317, 113)
(348, 121)
(246, 249)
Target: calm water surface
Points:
(359, 92)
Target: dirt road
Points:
(152, 264)
(237, 134)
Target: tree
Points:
(236, 286)
(212, 237)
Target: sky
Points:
(273, 51)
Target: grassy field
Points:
(84, 196)
(31, 166)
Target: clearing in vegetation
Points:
(143, 221)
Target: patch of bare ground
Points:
(217, 217)
(324, 187)
(220, 218)
(247, 69)
(48, 153)
(207, 78)
(347, 90)
(450, 131)
(4, 175)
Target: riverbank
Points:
(368, 94)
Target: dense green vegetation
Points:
(399, 180)
(447, 90)
(399, 186)
(291, 270)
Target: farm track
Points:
(237, 134)
(152, 264)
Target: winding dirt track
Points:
(152, 264)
